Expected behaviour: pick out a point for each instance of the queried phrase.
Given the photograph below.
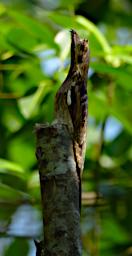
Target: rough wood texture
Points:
(60, 152)
(59, 190)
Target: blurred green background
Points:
(34, 60)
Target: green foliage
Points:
(34, 52)
(17, 245)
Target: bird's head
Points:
(79, 53)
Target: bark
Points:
(59, 191)
(60, 152)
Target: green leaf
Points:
(12, 119)
(96, 32)
(98, 105)
(16, 38)
(123, 114)
(120, 57)
(21, 150)
(2, 9)
(34, 186)
(34, 28)
(14, 180)
(6, 165)
(122, 76)
(119, 146)
(10, 194)
(18, 247)
(110, 227)
(34, 180)
(7, 209)
(65, 21)
(125, 49)
(121, 107)
(29, 105)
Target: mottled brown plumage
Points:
(71, 101)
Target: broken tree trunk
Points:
(60, 152)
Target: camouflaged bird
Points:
(71, 102)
